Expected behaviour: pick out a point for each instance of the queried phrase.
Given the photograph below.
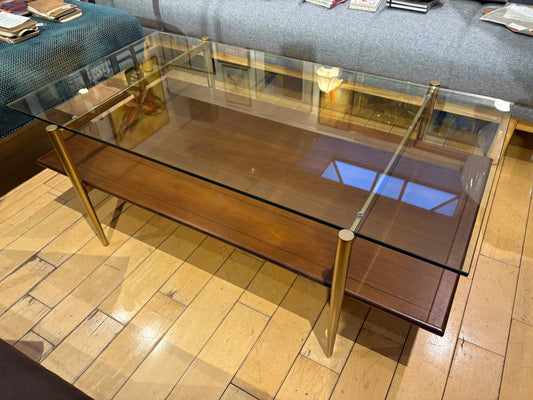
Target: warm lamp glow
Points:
(328, 78)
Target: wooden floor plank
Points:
(173, 355)
(83, 300)
(234, 393)
(487, 318)
(24, 187)
(73, 271)
(307, 380)
(268, 288)
(422, 370)
(26, 218)
(214, 367)
(475, 373)
(68, 314)
(506, 226)
(24, 195)
(188, 280)
(37, 237)
(275, 350)
(117, 362)
(22, 281)
(20, 318)
(523, 306)
(34, 346)
(353, 314)
(126, 300)
(79, 233)
(516, 382)
(369, 369)
(82, 346)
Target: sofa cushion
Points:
(146, 11)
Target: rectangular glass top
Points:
(404, 165)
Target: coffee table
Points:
(374, 186)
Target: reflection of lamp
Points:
(328, 78)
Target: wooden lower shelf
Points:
(411, 289)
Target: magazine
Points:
(517, 18)
(15, 6)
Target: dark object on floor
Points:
(22, 378)
(18, 152)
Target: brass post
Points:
(426, 116)
(208, 58)
(338, 285)
(70, 168)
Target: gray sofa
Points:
(450, 43)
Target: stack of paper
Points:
(19, 7)
(518, 18)
(16, 28)
(326, 3)
(367, 5)
(54, 10)
(413, 5)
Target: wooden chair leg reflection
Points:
(338, 285)
(70, 168)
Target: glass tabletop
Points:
(404, 165)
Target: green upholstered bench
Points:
(57, 51)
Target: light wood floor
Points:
(165, 312)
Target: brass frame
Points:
(433, 92)
(58, 142)
(345, 237)
(208, 59)
(338, 284)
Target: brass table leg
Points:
(208, 58)
(70, 168)
(338, 285)
(426, 116)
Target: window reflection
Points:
(415, 194)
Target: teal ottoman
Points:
(59, 50)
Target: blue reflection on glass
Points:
(414, 194)
(331, 173)
(425, 197)
(389, 186)
(448, 208)
(351, 175)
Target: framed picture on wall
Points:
(237, 84)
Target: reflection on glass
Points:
(277, 117)
(328, 78)
(415, 194)
(350, 175)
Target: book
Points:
(367, 5)
(19, 30)
(517, 18)
(18, 39)
(326, 3)
(413, 5)
(52, 10)
(19, 7)
(73, 14)
(10, 21)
